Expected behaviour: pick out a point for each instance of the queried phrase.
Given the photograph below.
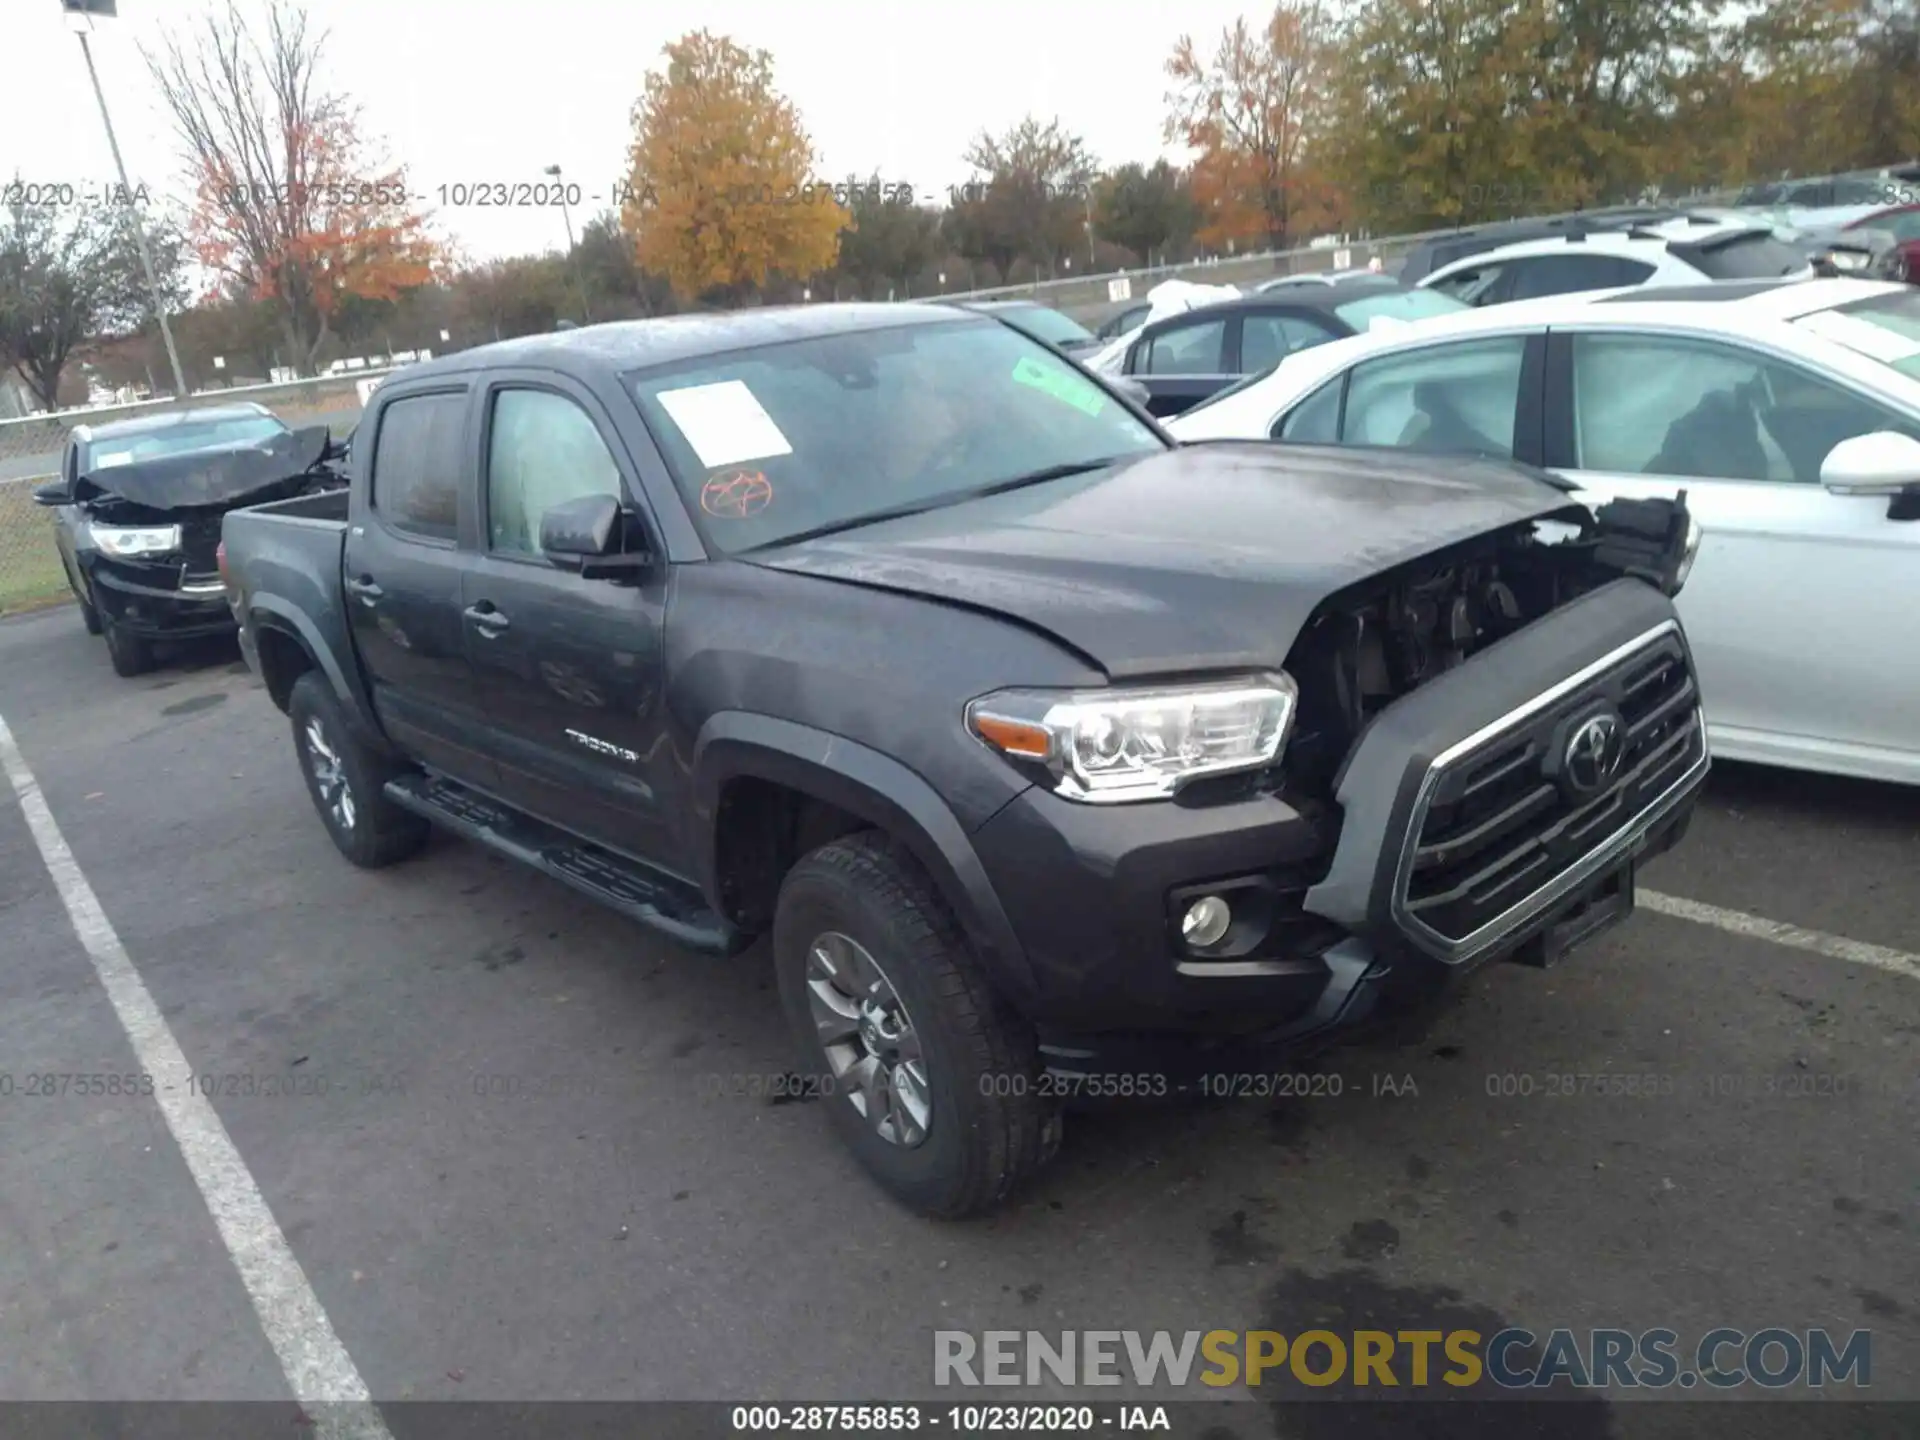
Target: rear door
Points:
(1185, 362)
(570, 669)
(1800, 606)
(403, 576)
(1268, 336)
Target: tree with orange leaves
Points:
(721, 194)
(1251, 111)
(290, 204)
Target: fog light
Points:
(1206, 921)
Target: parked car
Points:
(1856, 251)
(137, 508)
(1903, 223)
(1817, 202)
(1042, 322)
(1681, 252)
(1189, 356)
(1788, 414)
(1436, 251)
(1038, 745)
(1351, 276)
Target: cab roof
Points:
(622, 346)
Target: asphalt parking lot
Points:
(485, 1117)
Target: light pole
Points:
(79, 16)
(566, 214)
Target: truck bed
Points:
(329, 506)
(284, 561)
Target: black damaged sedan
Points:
(138, 506)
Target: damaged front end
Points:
(1376, 642)
(147, 534)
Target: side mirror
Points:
(1884, 462)
(54, 492)
(1133, 389)
(588, 534)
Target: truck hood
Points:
(204, 478)
(1206, 557)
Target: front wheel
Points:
(130, 653)
(929, 1078)
(347, 777)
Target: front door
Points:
(570, 669)
(1800, 605)
(402, 576)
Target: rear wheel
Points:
(927, 1075)
(130, 653)
(346, 778)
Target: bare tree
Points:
(288, 207)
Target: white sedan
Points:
(1788, 412)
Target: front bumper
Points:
(191, 609)
(1457, 841)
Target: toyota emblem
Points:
(1593, 753)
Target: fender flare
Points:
(860, 780)
(270, 612)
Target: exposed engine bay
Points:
(1368, 646)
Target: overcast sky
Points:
(496, 90)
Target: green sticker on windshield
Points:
(1061, 384)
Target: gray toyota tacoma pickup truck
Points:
(1053, 758)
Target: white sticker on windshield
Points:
(1876, 342)
(112, 458)
(725, 423)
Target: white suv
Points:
(1685, 251)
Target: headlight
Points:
(1106, 746)
(127, 542)
(1688, 554)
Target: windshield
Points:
(767, 443)
(1397, 305)
(1885, 328)
(106, 452)
(1044, 324)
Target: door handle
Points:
(485, 618)
(364, 590)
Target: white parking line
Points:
(317, 1366)
(1738, 922)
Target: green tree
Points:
(887, 240)
(1029, 197)
(1144, 209)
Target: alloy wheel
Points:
(868, 1039)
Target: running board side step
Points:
(660, 902)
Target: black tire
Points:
(130, 653)
(370, 830)
(989, 1128)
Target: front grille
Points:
(1494, 831)
(199, 539)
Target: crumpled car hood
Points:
(1205, 557)
(208, 477)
